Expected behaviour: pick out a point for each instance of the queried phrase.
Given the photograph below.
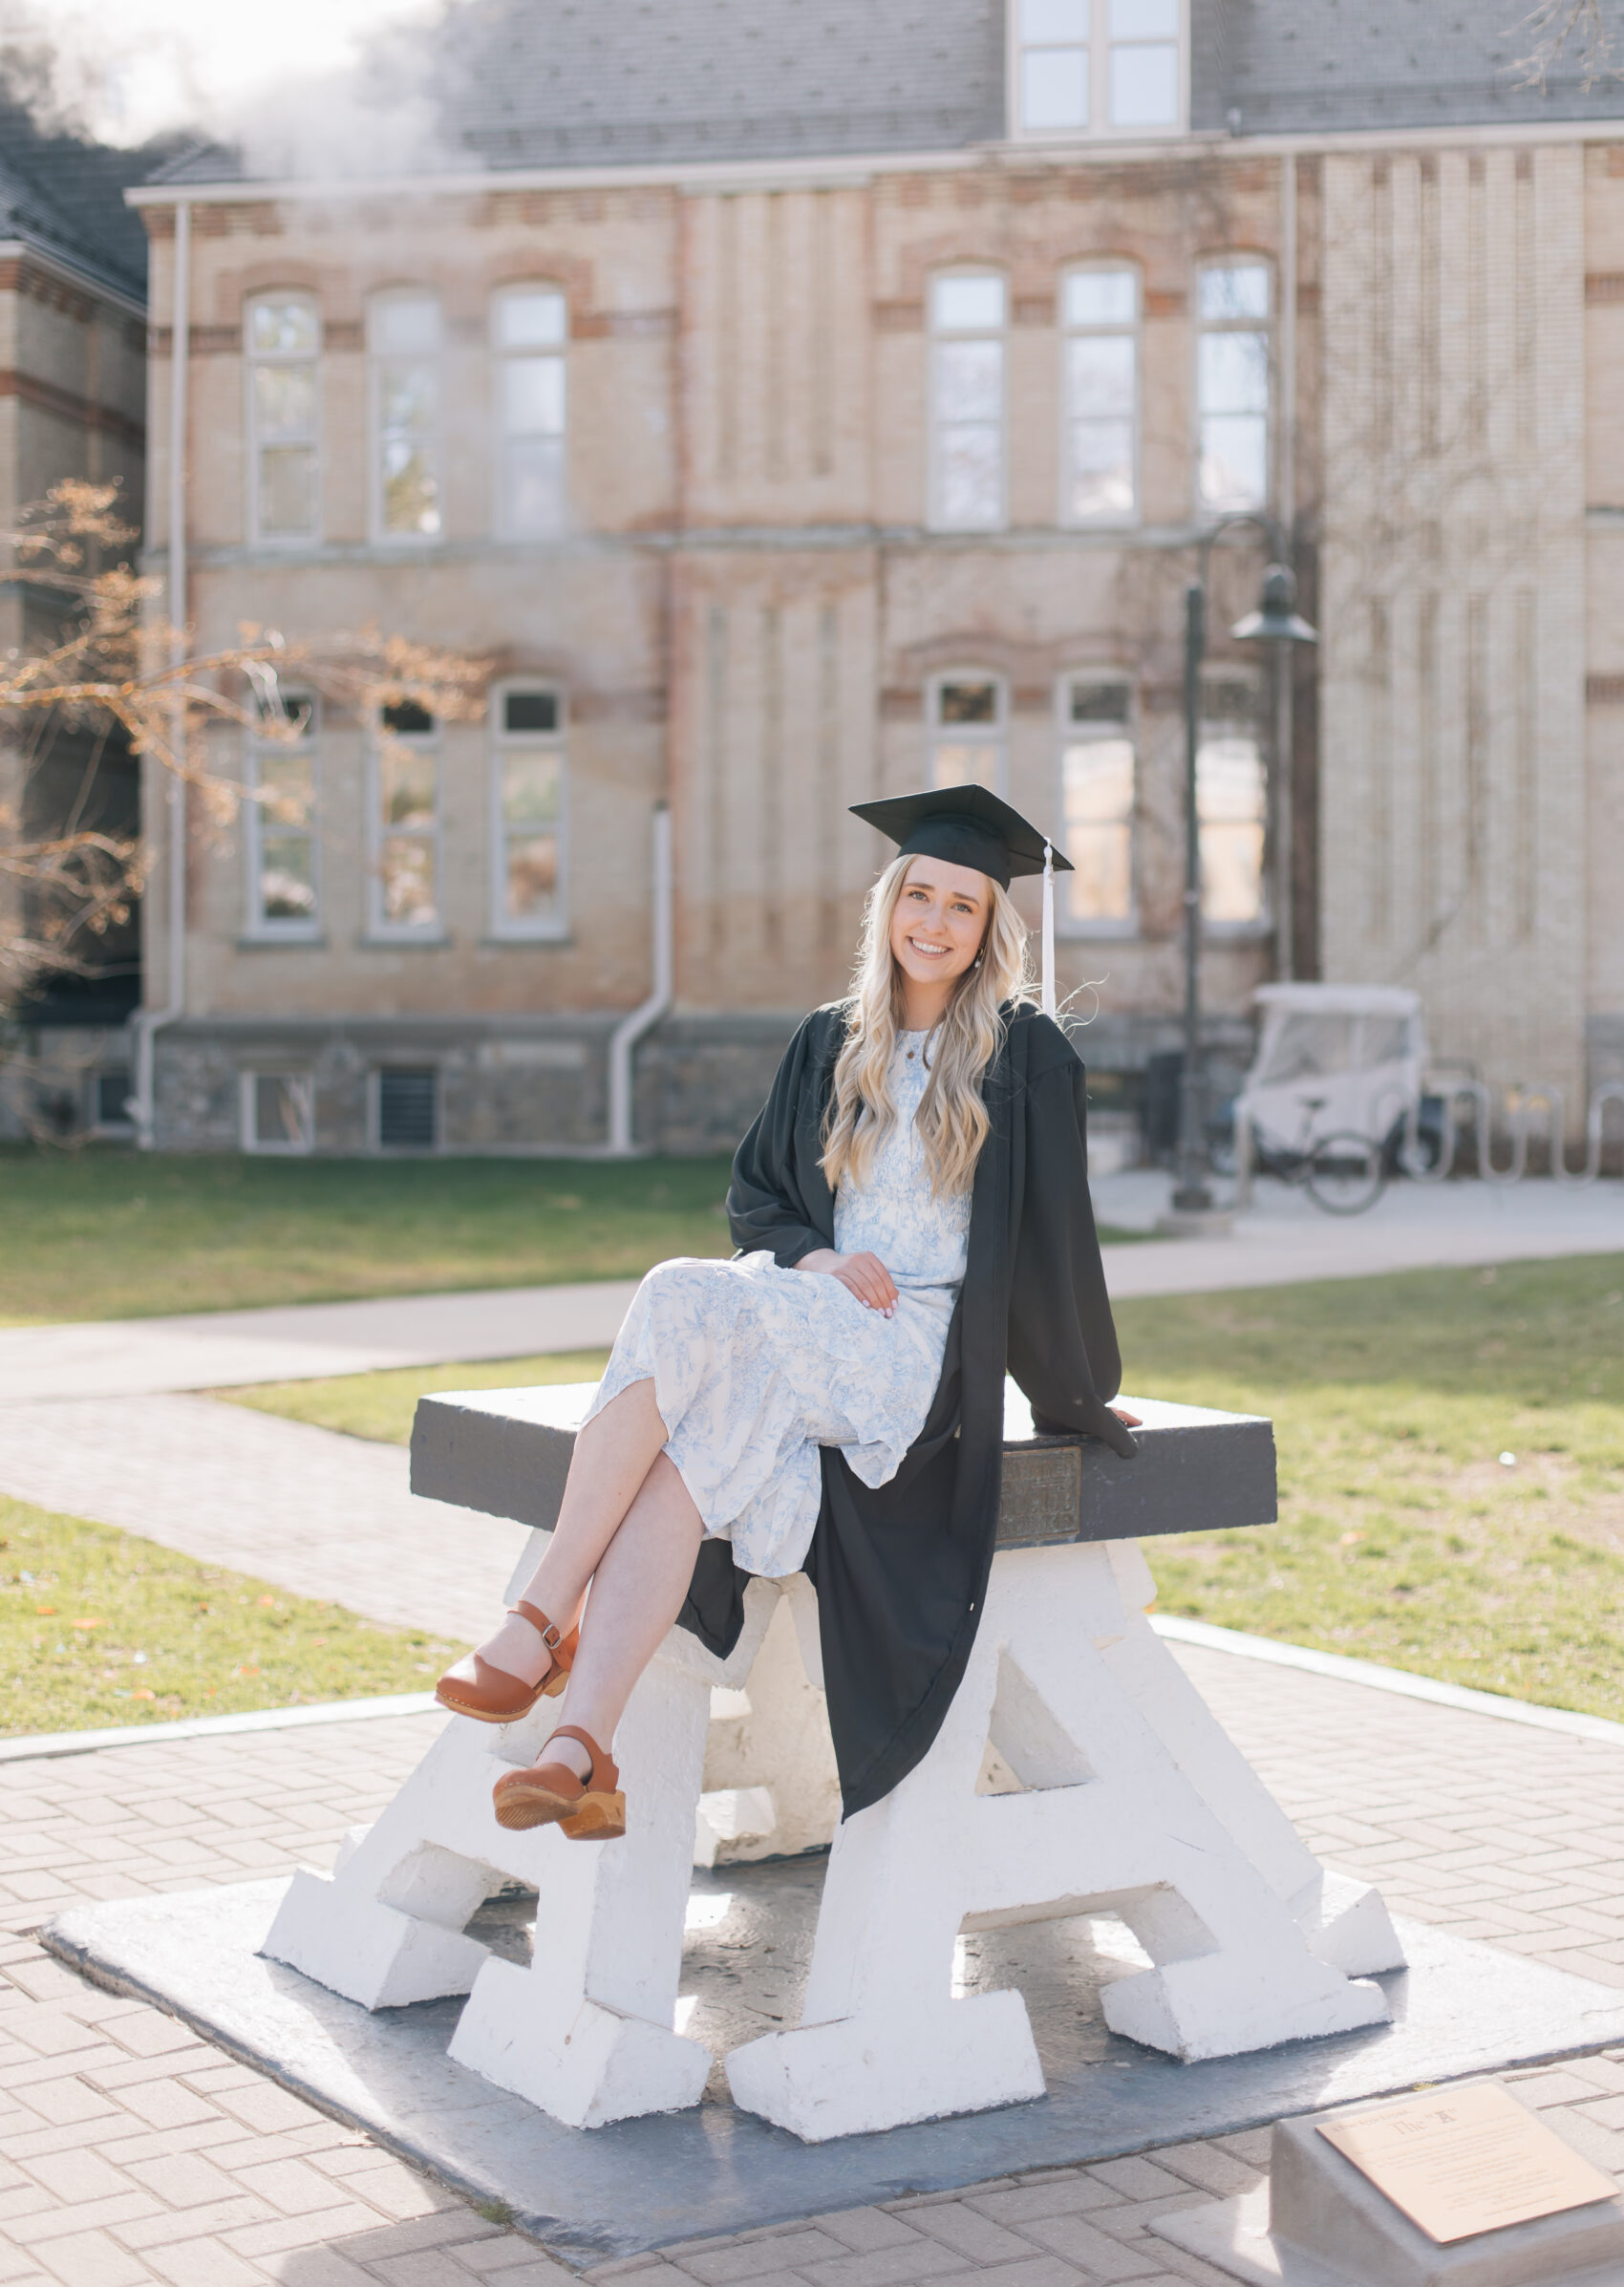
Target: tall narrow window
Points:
(1144, 62)
(1097, 802)
(283, 346)
(1231, 789)
(1100, 311)
(1055, 40)
(404, 334)
(967, 724)
(1231, 384)
(528, 801)
(1097, 65)
(405, 876)
(966, 401)
(528, 327)
(279, 822)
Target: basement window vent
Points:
(111, 1097)
(278, 1111)
(408, 1109)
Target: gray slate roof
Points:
(1308, 65)
(560, 83)
(67, 197)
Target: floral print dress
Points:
(755, 1367)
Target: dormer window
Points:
(1095, 67)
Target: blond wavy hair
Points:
(952, 1119)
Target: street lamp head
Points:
(1274, 620)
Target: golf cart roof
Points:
(1338, 1000)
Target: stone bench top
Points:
(505, 1453)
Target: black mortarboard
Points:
(967, 826)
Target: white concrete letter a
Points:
(1135, 1804)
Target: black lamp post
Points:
(1275, 621)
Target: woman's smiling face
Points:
(939, 923)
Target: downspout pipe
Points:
(147, 1023)
(631, 1029)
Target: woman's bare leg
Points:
(638, 1592)
(612, 1457)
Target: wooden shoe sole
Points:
(590, 1809)
(590, 1816)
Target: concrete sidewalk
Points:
(1284, 1239)
(220, 1350)
(306, 1510)
(139, 2156)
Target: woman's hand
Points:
(863, 1275)
(1128, 1421)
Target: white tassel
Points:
(1048, 930)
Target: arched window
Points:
(966, 725)
(279, 826)
(1232, 791)
(1233, 306)
(529, 327)
(1099, 345)
(529, 810)
(405, 890)
(968, 310)
(1096, 802)
(281, 348)
(404, 343)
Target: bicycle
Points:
(1343, 1173)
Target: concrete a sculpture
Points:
(1078, 1771)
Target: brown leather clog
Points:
(491, 1695)
(590, 1809)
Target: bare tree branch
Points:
(116, 668)
(1554, 26)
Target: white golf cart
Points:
(1336, 1081)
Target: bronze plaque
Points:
(1042, 1496)
(1467, 2159)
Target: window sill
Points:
(1072, 139)
(1236, 932)
(390, 941)
(504, 940)
(1098, 932)
(273, 941)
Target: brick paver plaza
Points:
(136, 2152)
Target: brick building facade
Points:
(793, 420)
(72, 404)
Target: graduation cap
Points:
(967, 825)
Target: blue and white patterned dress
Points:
(754, 1367)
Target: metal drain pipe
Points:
(631, 1029)
(146, 1022)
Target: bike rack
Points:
(1540, 1109)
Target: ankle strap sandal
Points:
(489, 1694)
(590, 1809)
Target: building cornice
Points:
(83, 280)
(854, 171)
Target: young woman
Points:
(912, 1216)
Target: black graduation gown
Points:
(900, 1569)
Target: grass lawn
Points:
(98, 1628)
(1404, 1537)
(108, 1234)
(1451, 1471)
(381, 1406)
